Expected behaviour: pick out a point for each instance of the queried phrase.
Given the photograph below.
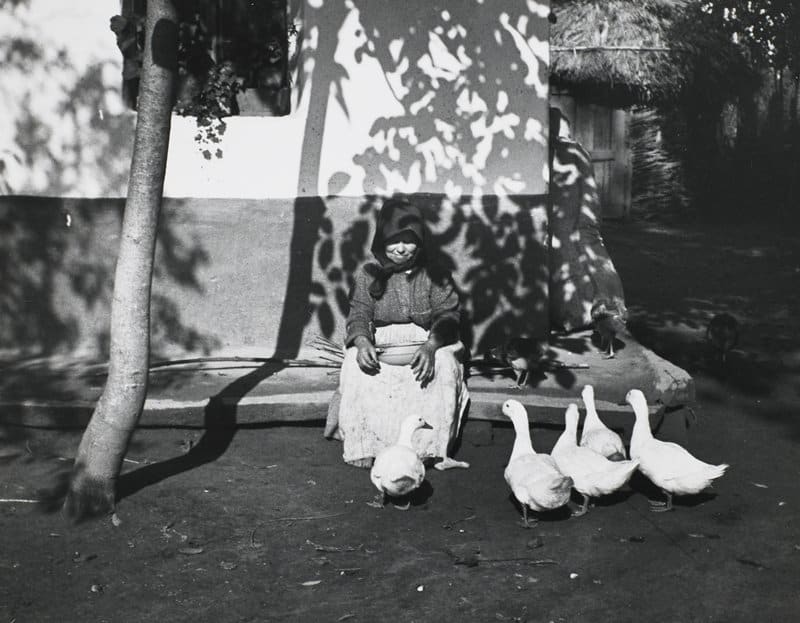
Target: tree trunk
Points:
(97, 465)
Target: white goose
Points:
(533, 478)
(397, 469)
(593, 474)
(596, 435)
(668, 465)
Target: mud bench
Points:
(201, 395)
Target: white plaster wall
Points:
(64, 130)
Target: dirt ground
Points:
(278, 529)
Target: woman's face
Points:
(401, 251)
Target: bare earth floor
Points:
(277, 528)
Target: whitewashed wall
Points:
(64, 130)
(446, 101)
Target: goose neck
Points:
(641, 425)
(522, 441)
(406, 434)
(591, 414)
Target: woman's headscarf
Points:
(397, 218)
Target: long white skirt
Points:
(371, 407)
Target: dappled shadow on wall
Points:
(467, 140)
(57, 267)
(68, 131)
(469, 84)
(87, 154)
(495, 253)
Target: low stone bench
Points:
(62, 393)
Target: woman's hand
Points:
(423, 363)
(367, 357)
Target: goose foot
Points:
(526, 522)
(337, 435)
(377, 502)
(658, 506)
(402, 507)
(448, 463)
(609, 356)
(365, 463)
(583, 508)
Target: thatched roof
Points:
(635, 51)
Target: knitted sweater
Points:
(409, 297)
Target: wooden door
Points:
(603, 133)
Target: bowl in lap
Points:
(397, 354)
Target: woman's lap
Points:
(371, 406)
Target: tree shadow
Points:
(58, 265)
(219, 422)
(57, 260)
(465, 124)
(309, 221)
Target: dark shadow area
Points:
(41, 456)
(58, 269)
(419, 497)
(605, 501)
(558, 514)
(53, 495)
(678, 276)
(298, 308)
(641, 485)
(15, 429)
(783, 415)
(219, 423)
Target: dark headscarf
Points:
(397, 218)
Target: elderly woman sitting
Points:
(399, 298)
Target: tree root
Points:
(89, 497)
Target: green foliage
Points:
(217, 99)
(208, 86)
(769, 29)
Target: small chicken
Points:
(608, 320)
(722, 333)
(521, 354)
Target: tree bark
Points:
(92, 490)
